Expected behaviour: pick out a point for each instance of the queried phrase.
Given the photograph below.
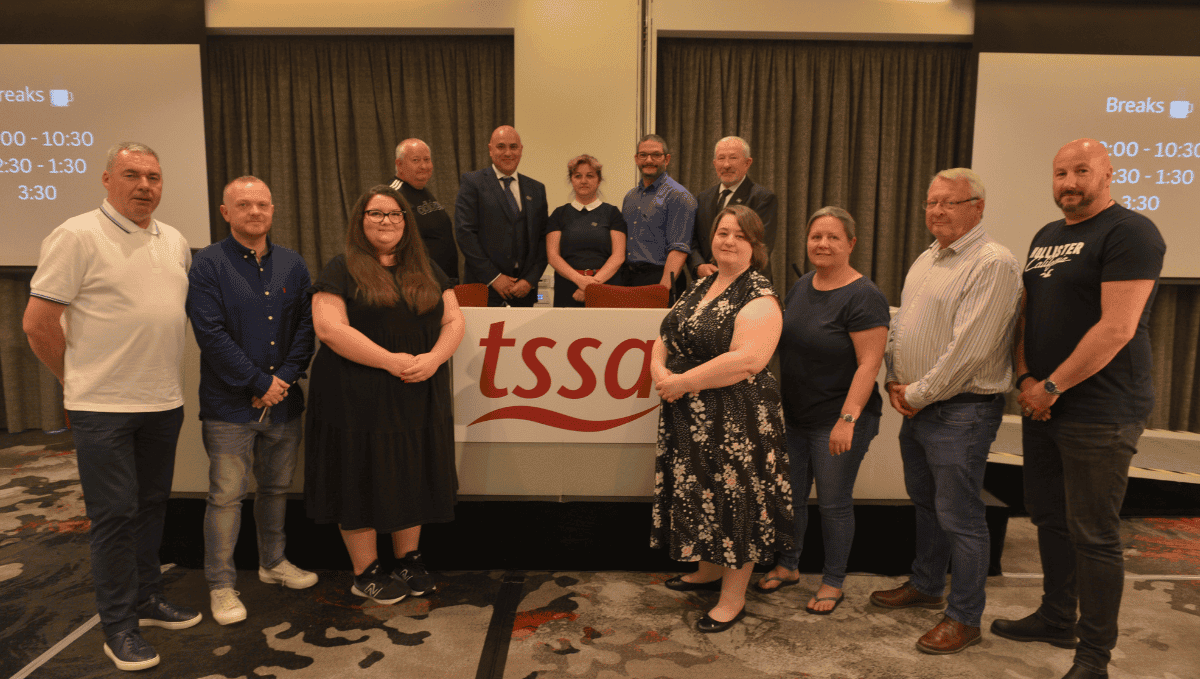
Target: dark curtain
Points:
(318, 119)
(864, 126)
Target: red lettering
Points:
(642, 386)
(575, 357)
(529, 353)
(491, 356)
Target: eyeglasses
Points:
(947, 205)
(652, 156)
(377, 216)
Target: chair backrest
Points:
(471, 294)
(602, 295)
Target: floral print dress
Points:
(722, 490)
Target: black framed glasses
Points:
(377, 216)
(651, 156)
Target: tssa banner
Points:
(573, 375)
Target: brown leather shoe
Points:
(949, 636)
(906, 596)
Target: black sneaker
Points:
(130, 652)
(377, 587)
(158, 612)
(413, 574)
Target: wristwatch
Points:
(1052, 388)
(849, 418)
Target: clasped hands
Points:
(896, 394)
(275, 394)
(1036, 401)
(411, 368)
(670, 386)
(509, 287)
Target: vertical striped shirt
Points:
(954, 330)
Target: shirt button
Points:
(271, 368)
(270, 318)
(267, 292)
(272, 344)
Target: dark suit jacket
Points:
(757, 198)
(486, 231)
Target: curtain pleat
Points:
(864, 126)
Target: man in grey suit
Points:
(500, 220)
(731, 160)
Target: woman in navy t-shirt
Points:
(835, 327)
(585, 239)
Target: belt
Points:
(968, 397)
(642, 266)
(586, 272)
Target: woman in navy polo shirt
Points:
(585, 239)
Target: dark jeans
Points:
(634, 274)
(945, 448)
(808, 453)
(126, 461)
(1075, 479)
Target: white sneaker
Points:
(287, 574)
(227, 608)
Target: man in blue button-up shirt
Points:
(660, 215)
(251, 311)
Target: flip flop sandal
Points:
(836, 602)
(782, 583)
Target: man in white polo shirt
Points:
(106, 315)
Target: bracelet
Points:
(1021, 378)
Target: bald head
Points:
(1082, 179)
(414, 163)
(505, 149)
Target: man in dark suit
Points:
(731, 159)
(500, 220)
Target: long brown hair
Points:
(413, 278)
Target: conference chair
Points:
(604, 296)
(471, 294)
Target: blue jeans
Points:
(1075, 479)
(808, 452)
(126, 462)
(232, 448)
(945, 448)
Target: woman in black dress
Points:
(379, 441)
(722, 491)
(585, 239)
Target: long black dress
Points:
(379, 452)
(722, 489)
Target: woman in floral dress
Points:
(722, 494)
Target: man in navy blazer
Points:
(731, 159)
(500, 220)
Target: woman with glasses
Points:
(835, 325)
(585, 239)
(379, 441)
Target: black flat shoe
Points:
(678, 584)
(708, 625)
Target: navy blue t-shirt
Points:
(1063, 273)
(586, 241)
(816, 354)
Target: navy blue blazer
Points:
(756, 197)
(486, 228)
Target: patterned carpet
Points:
(546, 625)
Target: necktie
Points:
(520, 240)
(722, 198)
(512, 200)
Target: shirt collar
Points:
(247, 252)
(124, 223)
(964, 241)
(501, 175)
(590, 206)
(654, 186)
(733, 189)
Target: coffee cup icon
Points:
(1181, 109)
(64, 97)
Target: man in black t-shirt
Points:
(414, 167)
(1083, 360)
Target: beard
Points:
(1085, 201)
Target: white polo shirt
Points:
(125, 288)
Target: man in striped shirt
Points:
(949, 364)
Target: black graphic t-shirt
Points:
(1063, 273)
